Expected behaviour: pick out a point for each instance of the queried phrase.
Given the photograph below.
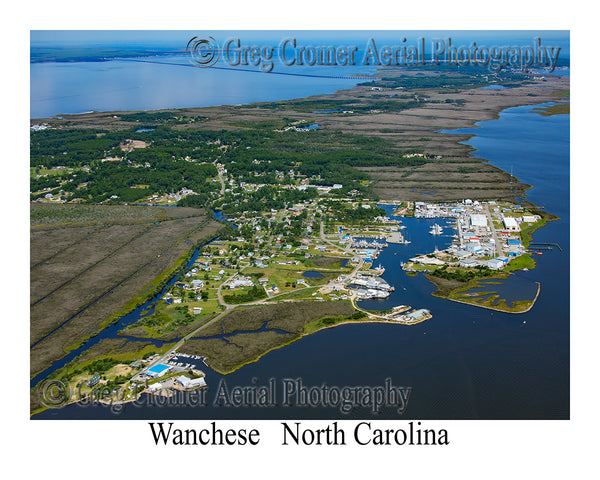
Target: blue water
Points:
(311, 274)
(314, 126)
(113, 330)
(120, 84)
(466, 362)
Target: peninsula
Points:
(278, 221)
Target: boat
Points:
(436, 229)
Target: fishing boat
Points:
(436, 229)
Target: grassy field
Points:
(88, 264)
(559, 109)
(449, 172)
(521, 262)
(109, 358)
(236, 349)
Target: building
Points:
(495, 263)
(473, 247)
(197, 283)
(468, 263)
(510, 223)
(197, 310)
(155, 387)
(188, 383)
(93, 381)
(479, 220)
(417, 315)
(158, 370)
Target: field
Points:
(410, 117)
(88, 263)
(283, 323)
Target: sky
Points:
(179, 38)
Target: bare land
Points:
(233, 349)
(82, 275)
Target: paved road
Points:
(494, 233)
(228, 308)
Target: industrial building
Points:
(189, 383)
(510, 223)
(479, 220)
(158, 370)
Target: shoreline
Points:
(488, 307)
(457, 140)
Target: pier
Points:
(543, 246)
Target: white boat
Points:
(435, 229)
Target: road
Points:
(346, 249)
(498, 248)
(228, 308)
(220, 176)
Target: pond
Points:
(312, 274)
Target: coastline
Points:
(496, 308)
(372, 320)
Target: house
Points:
(93, 381)
(197, 310)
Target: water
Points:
(112, 331)
(312, 274)
(120, 84)
(466, 362)
(314, 126)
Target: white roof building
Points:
(495, 263)
(186, 382)
(510, 223)
(479, 220)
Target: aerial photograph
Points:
(310, 225)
